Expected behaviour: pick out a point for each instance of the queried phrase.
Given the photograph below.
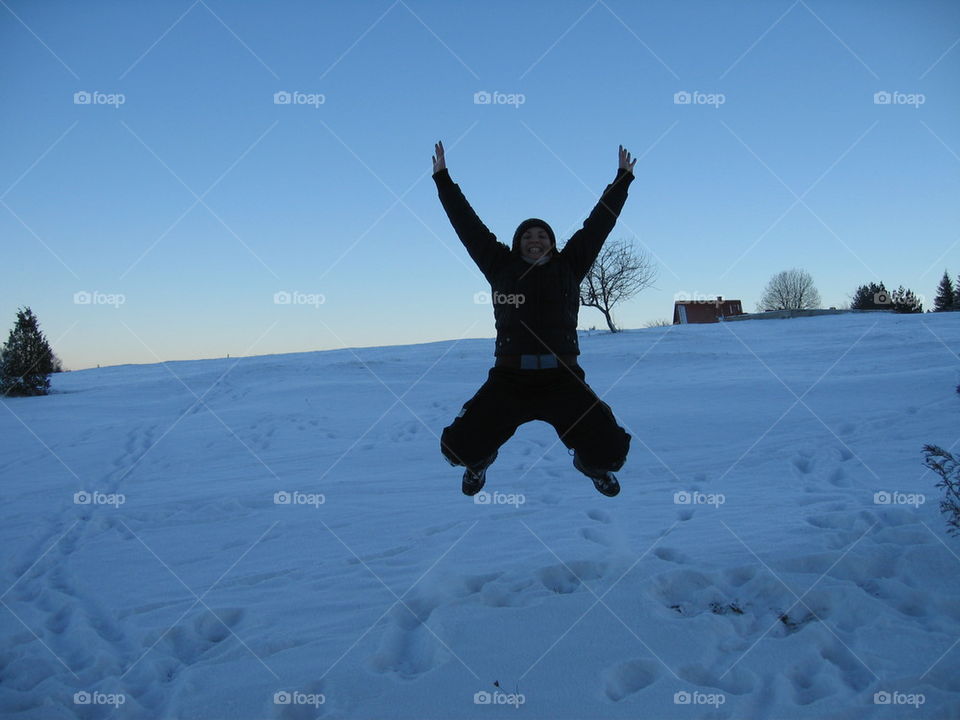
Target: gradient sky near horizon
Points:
(182, 212)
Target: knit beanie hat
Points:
(529, 223)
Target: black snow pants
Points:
(513, 396)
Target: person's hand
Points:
(438, 162)
(625, 163)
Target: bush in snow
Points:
(948, 468)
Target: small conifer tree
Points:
(946, 295)
(26, 359)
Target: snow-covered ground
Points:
(782, 588)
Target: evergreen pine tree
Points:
(946, 296)
(956, 293)
(871, 297)
(904, 301)
(26, 359)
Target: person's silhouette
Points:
(535, 289)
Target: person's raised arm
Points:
(584, 246)
(482, 244)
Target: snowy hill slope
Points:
(747, 570)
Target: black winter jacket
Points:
(535, 305)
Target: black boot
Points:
(603, 480)
(475, 477)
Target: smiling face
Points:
(535, 243)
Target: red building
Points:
(704, 311)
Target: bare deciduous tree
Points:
(789, 290)
(616, 275)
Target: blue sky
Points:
(185, 209)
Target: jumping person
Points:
(535, 290)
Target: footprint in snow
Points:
(566, 579)
(600, 516)
(671, 555)
(595, 535)
(408, 648)
(803, 463)
(626, 678)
